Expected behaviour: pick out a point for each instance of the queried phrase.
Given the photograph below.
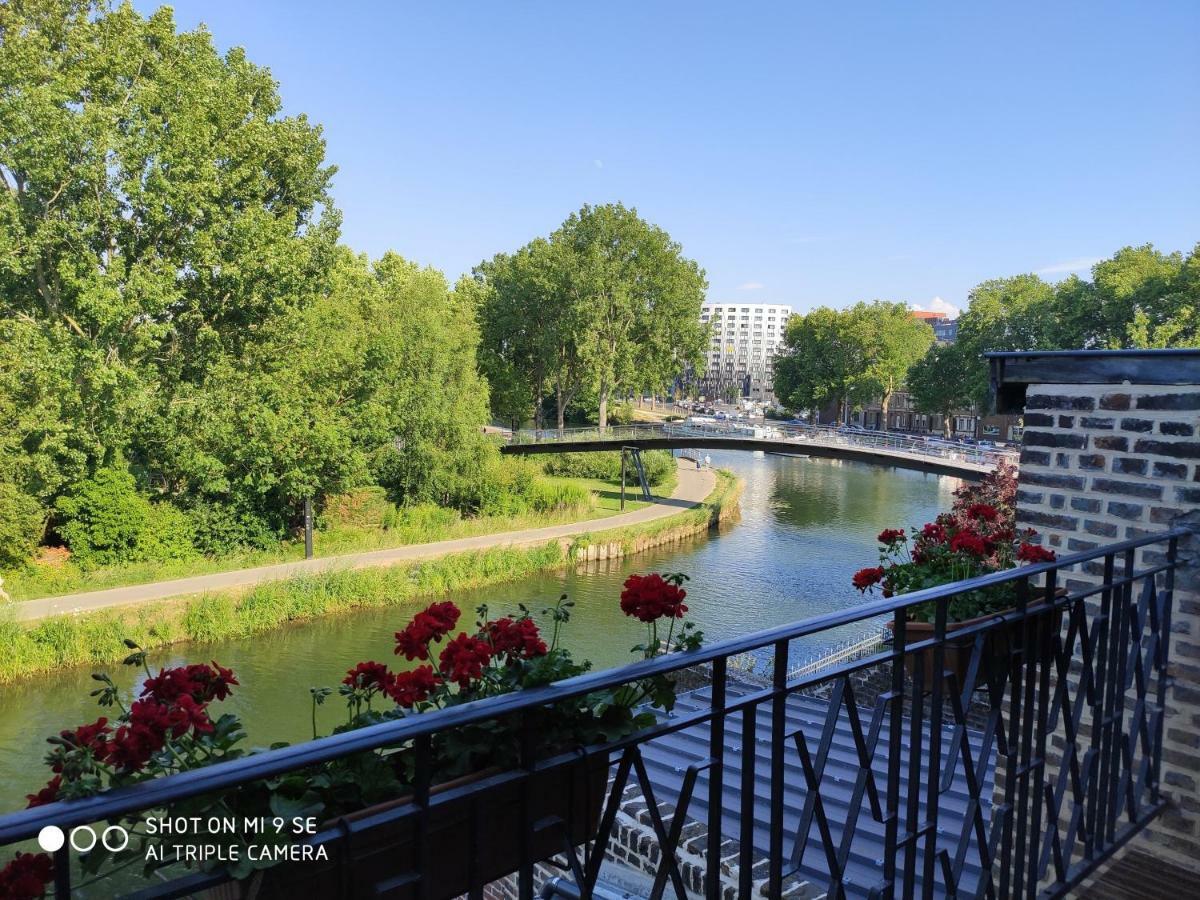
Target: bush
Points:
(169, 534)
(219, 528)
(546, 496)
(22, 521)
(367, 507)
(659, 464)
(103, 518)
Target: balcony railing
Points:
(791, 437)
(1006, 757)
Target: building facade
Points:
(745, 337)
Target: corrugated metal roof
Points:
(667, 759)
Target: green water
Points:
(807, 525)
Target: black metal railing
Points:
(1005, 757)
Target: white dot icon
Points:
(51, 838)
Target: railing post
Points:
(778, 745)
(716, 781)
(895, 723)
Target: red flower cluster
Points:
(969, 542)
(370, 676)
(891, 536)
(1035, 553)
(48, 794)
(150, 725)
(26, 877)
(983, 511)
(200, 682)
(410, 688)
(651, 597)
(864, 578)
(934, 532)
(92, 737)
(518, 639)
(463, 659)
(427, 627)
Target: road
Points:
(693, 486)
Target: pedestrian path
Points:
(693, 486)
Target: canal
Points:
(806, 526)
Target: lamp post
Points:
(308, 528)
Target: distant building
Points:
(945, 329)
(745, 338)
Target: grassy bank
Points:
(421, 526)
(96, 638)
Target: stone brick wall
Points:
(1102, 463)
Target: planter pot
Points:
(997, 643)
(379, 857)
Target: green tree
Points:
(892, 340)
(822, 360)
(640, 296)
(1003, 314)
(937, 383)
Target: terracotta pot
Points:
(997, 642)
(380, 856)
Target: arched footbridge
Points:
(967, 461)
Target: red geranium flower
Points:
(864, 578)
(199, 681)
(934, 532)
(463, 659)
(92, 737)
(26, 877)
(48, 794)
(150, 724)
(516, 640)
(1035, 553)
(428, 626)
(969, 542)
(651, 597)
(369, 676)
(891, 536)
(984, 511)
(410, 688)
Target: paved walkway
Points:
(692, 488)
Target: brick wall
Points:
(1102, 463)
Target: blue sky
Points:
(805, 153)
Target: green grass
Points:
(96, 638)
(47, 581)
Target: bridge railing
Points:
(783, 433)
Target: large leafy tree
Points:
(892, 341)
(937, 384)
(822, 360)
(607, 304)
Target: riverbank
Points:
(239, 611)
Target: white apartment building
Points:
(745, 338)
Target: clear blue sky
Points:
(803, 152)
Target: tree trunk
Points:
(946, 425)
(602, 413)
(884, 402)
(560, 406)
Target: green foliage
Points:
(22, 521)
(936, 385)
(103, 518)
(659, 465)
(851, 355)
(607, 303)
(219, 529)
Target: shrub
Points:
(22, 521)
(103, 518)
(219, 528)
(169, 534)
(659, 465)
(545, 496)
(367, 507)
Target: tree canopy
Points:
(181, 334)
(850, 356)
(607, 304)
